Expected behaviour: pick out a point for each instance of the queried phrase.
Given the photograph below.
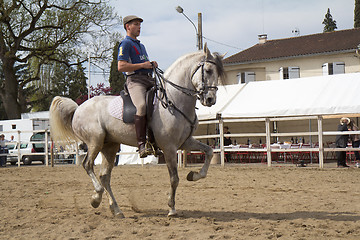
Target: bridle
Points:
(167, 104)
(190, 92)
(204, 88)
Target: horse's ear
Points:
(207, 52)
(223, 55)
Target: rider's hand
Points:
(155, 64)
(149, 65)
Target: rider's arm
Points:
(124, 66)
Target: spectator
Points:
(355, 139)
(341, 142)
(2, 151)
(227, 140)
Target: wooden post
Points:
(222, 152)
(52, 153)
(18, 147)
(199, 34)
(179, 158)
(77, 162)
(268, 141)
(46, 146)
(321, 144)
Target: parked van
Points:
(26, 151)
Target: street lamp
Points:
(199, 43)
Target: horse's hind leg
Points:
(193, 144)
(109, 152)
(88, 164)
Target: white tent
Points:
(335, 94)
(131, 157)
(224, 95)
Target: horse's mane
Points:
(217, 58)
(179, 60)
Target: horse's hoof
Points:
(95, 203)
(193, 176)
(119, 215)
(190, 176)
(172, 213)
(115, 210)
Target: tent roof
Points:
(223, 97)
(325, 95)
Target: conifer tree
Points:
(357, 14)
(329, 22)
(116, 78)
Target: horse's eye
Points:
(209, 71)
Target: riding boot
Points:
(140, 127)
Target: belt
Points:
(142, 74)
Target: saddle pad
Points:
(115, 108)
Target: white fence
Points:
(319, 148)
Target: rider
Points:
(134, 62)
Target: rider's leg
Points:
(137, 93)
(140, 127)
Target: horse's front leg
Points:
(192, 144)
(171, 162)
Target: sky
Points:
(236, 24)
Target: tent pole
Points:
(222, 153)
(321, 145)
(268, 142)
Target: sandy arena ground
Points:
(235, 202)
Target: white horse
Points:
(173, 122)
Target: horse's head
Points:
(206, 75)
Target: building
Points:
(304, 56)
(24, 128)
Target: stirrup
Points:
(154, 149)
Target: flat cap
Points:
(130, 18)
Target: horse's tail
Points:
(62, 110)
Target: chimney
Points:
(262, 38)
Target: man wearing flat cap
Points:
(134, 62)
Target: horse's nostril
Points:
(210, 100)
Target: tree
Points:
(357, 14)
(330, 24)
(66, 81)
(100, 89)
(40, 32)
(116, 78)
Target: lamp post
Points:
(199, 43)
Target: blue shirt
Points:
(132, 51)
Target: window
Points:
(245, 77)
(333, 68)
(289, 72)
(13, 126)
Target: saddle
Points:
(129, 109)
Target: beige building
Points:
(331, 53)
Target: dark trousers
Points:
(341, 158)
(2, 158)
